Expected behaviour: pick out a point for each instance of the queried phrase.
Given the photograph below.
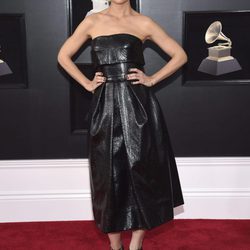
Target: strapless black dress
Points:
(133, 174)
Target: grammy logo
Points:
(219, 60)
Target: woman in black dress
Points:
(133, 174)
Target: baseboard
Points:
(56, 190)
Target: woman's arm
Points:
(178, 56)
(70, 47)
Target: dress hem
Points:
(139, 227)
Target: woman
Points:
(134, 179)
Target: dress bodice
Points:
(117, 48)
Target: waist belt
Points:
(117, 71)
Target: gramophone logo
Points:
(219, 60)
(4, 68)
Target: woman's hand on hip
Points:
(96, 82)
(141, 77)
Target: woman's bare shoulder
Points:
(143, 23)
(141, 16)
(93, 17)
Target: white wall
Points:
(52, 190)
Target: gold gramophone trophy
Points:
(219, 60)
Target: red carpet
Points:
(179, 234)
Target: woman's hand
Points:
(96, 82)
(141, 77)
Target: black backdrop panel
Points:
(80, 101)
(13, 51)
(36, 121)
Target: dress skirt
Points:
(133, 174)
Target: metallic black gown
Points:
(133, 174)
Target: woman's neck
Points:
(119, 10)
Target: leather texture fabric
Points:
(133, 174)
